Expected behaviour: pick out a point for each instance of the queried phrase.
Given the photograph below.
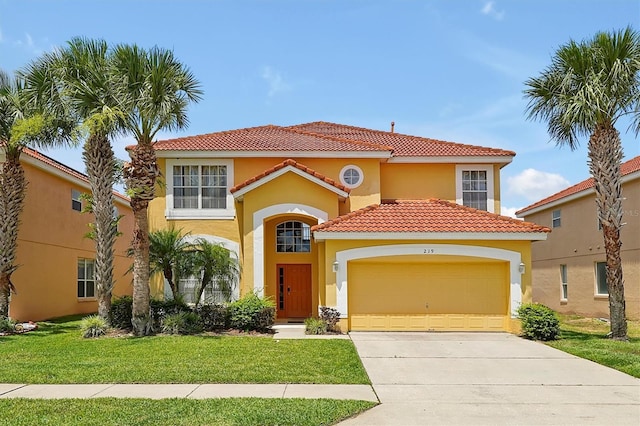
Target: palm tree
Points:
(23, 121)
(586, 89)
(154, 90)
(80, 71)
(216, 266)
(166, 249)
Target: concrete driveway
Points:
(489, 379)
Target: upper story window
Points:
(474, 186)
(76, 200)
(293, 237)
(86, 278)
(556, 219)
(199, 189)
(351, 176)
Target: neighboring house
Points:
(369, 222)
(55, 275)
(569, 267)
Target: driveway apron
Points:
(489, 379)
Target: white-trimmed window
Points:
(351, 176)
(199, 189)
(564, 286)
(76, 200)
(293, 237)
(602, 288)
(474, 186)
(556, 218)
(86, 278)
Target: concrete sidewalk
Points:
(193, 391)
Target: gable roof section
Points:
(47, 163)
(286, 166)
(629, 170)
(271, 139)
(403, 145)
(426, 219)
(329, 140)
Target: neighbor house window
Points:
(556, 219)
(474, 186)
(86, 278)
(76, 201)
(293, 237)
(351, 176)
(601, 279)
(199, 189)
(563, 281)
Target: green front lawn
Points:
(56, 353)
(222, 412)
(586, 338)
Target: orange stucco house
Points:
(397, 232)
(55, 274)
(569, 272)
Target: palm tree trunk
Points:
(140, 176)
(13, 185)
(100, 162)
(605, 157)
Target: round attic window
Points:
(351, 176)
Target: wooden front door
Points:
(294, 290)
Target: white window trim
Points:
(85, 298)
(490, 182)
(554, 218)
(563, 282)
(172, 213)
(595, 281)
(76, 195)
(344, 182)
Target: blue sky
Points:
(450, 70)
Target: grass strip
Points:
(134, 412)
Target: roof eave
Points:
(447, 159)
(199, 153)
(502, 236)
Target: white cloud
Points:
(489, 9)
(29, 40)
(275, 81)
(535, 185)
(1, 38)
(509, 211)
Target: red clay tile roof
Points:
(425, 216)
(626, 168)
(266, 138)
(63, 168)
(403, 145)
(284, 164)
(322, 136)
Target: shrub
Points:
(93, 326)
(252, 313)
(315, 326)
(181, 323)
(161, 308)
(7, 325)
(539, 322)
(121, 308)
(213, 317)
(331, 316)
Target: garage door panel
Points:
(428, 296)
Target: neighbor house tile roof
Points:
(327, 137)
(626, 168)
(64, 168)
(292, 163)
(403, 145)
(425, 216)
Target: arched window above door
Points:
(293, 237)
